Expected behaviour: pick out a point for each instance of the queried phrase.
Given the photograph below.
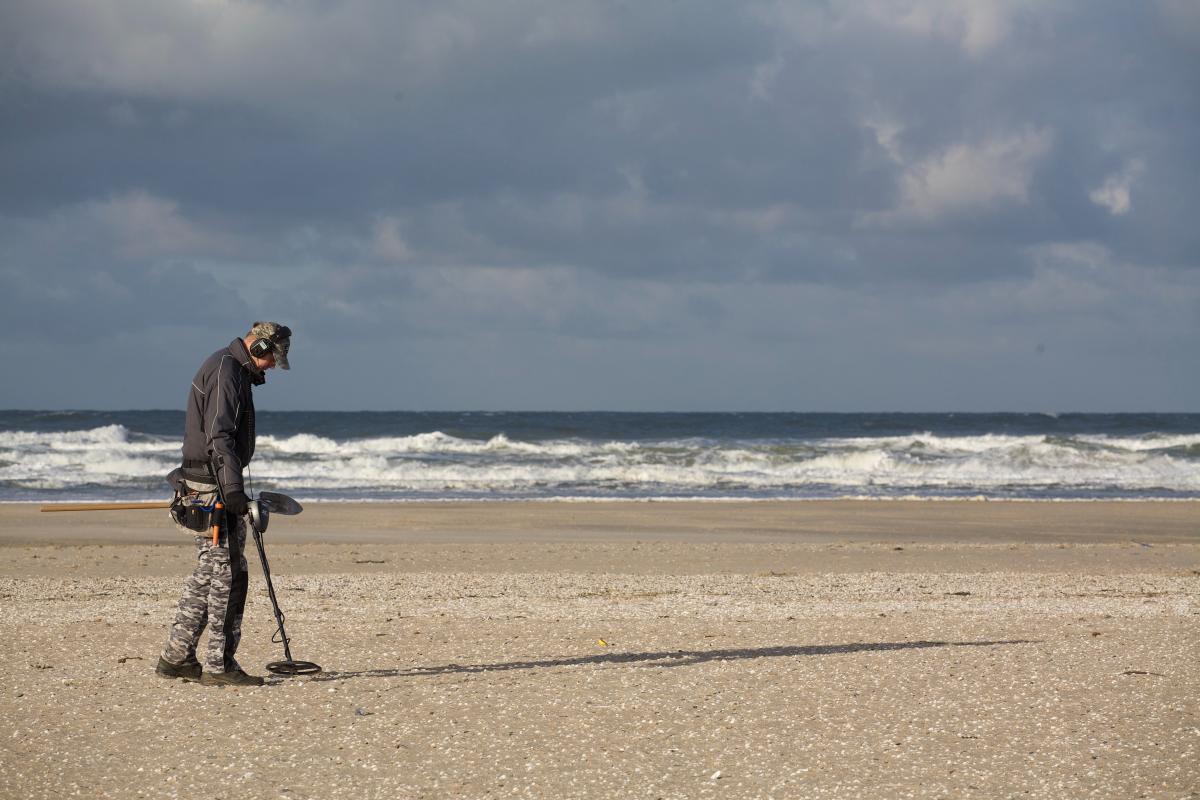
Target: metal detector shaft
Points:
(266, 568)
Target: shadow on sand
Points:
(666, 658)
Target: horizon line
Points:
(598, 411)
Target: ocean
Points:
(48, 456)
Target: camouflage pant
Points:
(214, 596)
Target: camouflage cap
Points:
(280, 337)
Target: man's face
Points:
(266, 363)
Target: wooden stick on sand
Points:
(102, 506)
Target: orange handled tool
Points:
(218, 518)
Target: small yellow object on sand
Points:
(602, 643)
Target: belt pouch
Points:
(191, 515)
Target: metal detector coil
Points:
(293, 668)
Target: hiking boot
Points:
(234, 678)
(188, 672)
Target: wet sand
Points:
(839, 649)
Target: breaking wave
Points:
(115, 461)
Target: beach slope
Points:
(805, 649)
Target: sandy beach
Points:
(674, 650)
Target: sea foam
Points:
(113, 460)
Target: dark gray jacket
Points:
(220, 415)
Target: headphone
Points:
(265, 345)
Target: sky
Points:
(673, 205)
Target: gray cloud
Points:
(924, 204)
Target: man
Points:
(218, 441)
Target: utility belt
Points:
(196, 471)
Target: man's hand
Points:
(236, 502)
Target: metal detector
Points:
(260, 512)
(258, 515)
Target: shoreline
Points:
(815, 521)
